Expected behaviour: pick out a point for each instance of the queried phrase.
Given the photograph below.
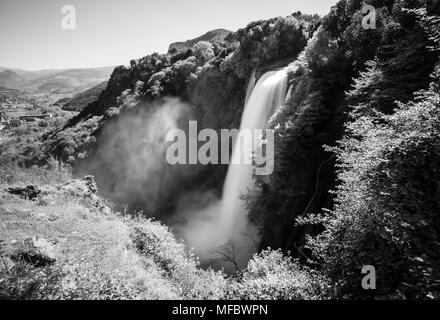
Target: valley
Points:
(53, 81)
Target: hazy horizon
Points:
(110, 33)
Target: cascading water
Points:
(251, 85)
(225, 222)
(268, 94)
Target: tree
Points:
(203, 51)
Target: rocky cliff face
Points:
(209, 82)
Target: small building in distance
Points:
(31, 118)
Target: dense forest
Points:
(357, 156)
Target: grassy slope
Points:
(94, 250)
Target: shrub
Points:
(155, 241)
(272, 276)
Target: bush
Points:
(155, 241)
(272, 276)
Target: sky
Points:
(112, 32)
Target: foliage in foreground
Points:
(271, 275)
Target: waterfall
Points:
(251, 85)
(268, 94)
(223, 225)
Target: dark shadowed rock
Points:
(91, 184)
(28, 193)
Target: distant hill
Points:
(10, 79)
(3, 89)
(30, 75)
(68, 81)
(216, 35)
(17, 71)
(80, 100)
